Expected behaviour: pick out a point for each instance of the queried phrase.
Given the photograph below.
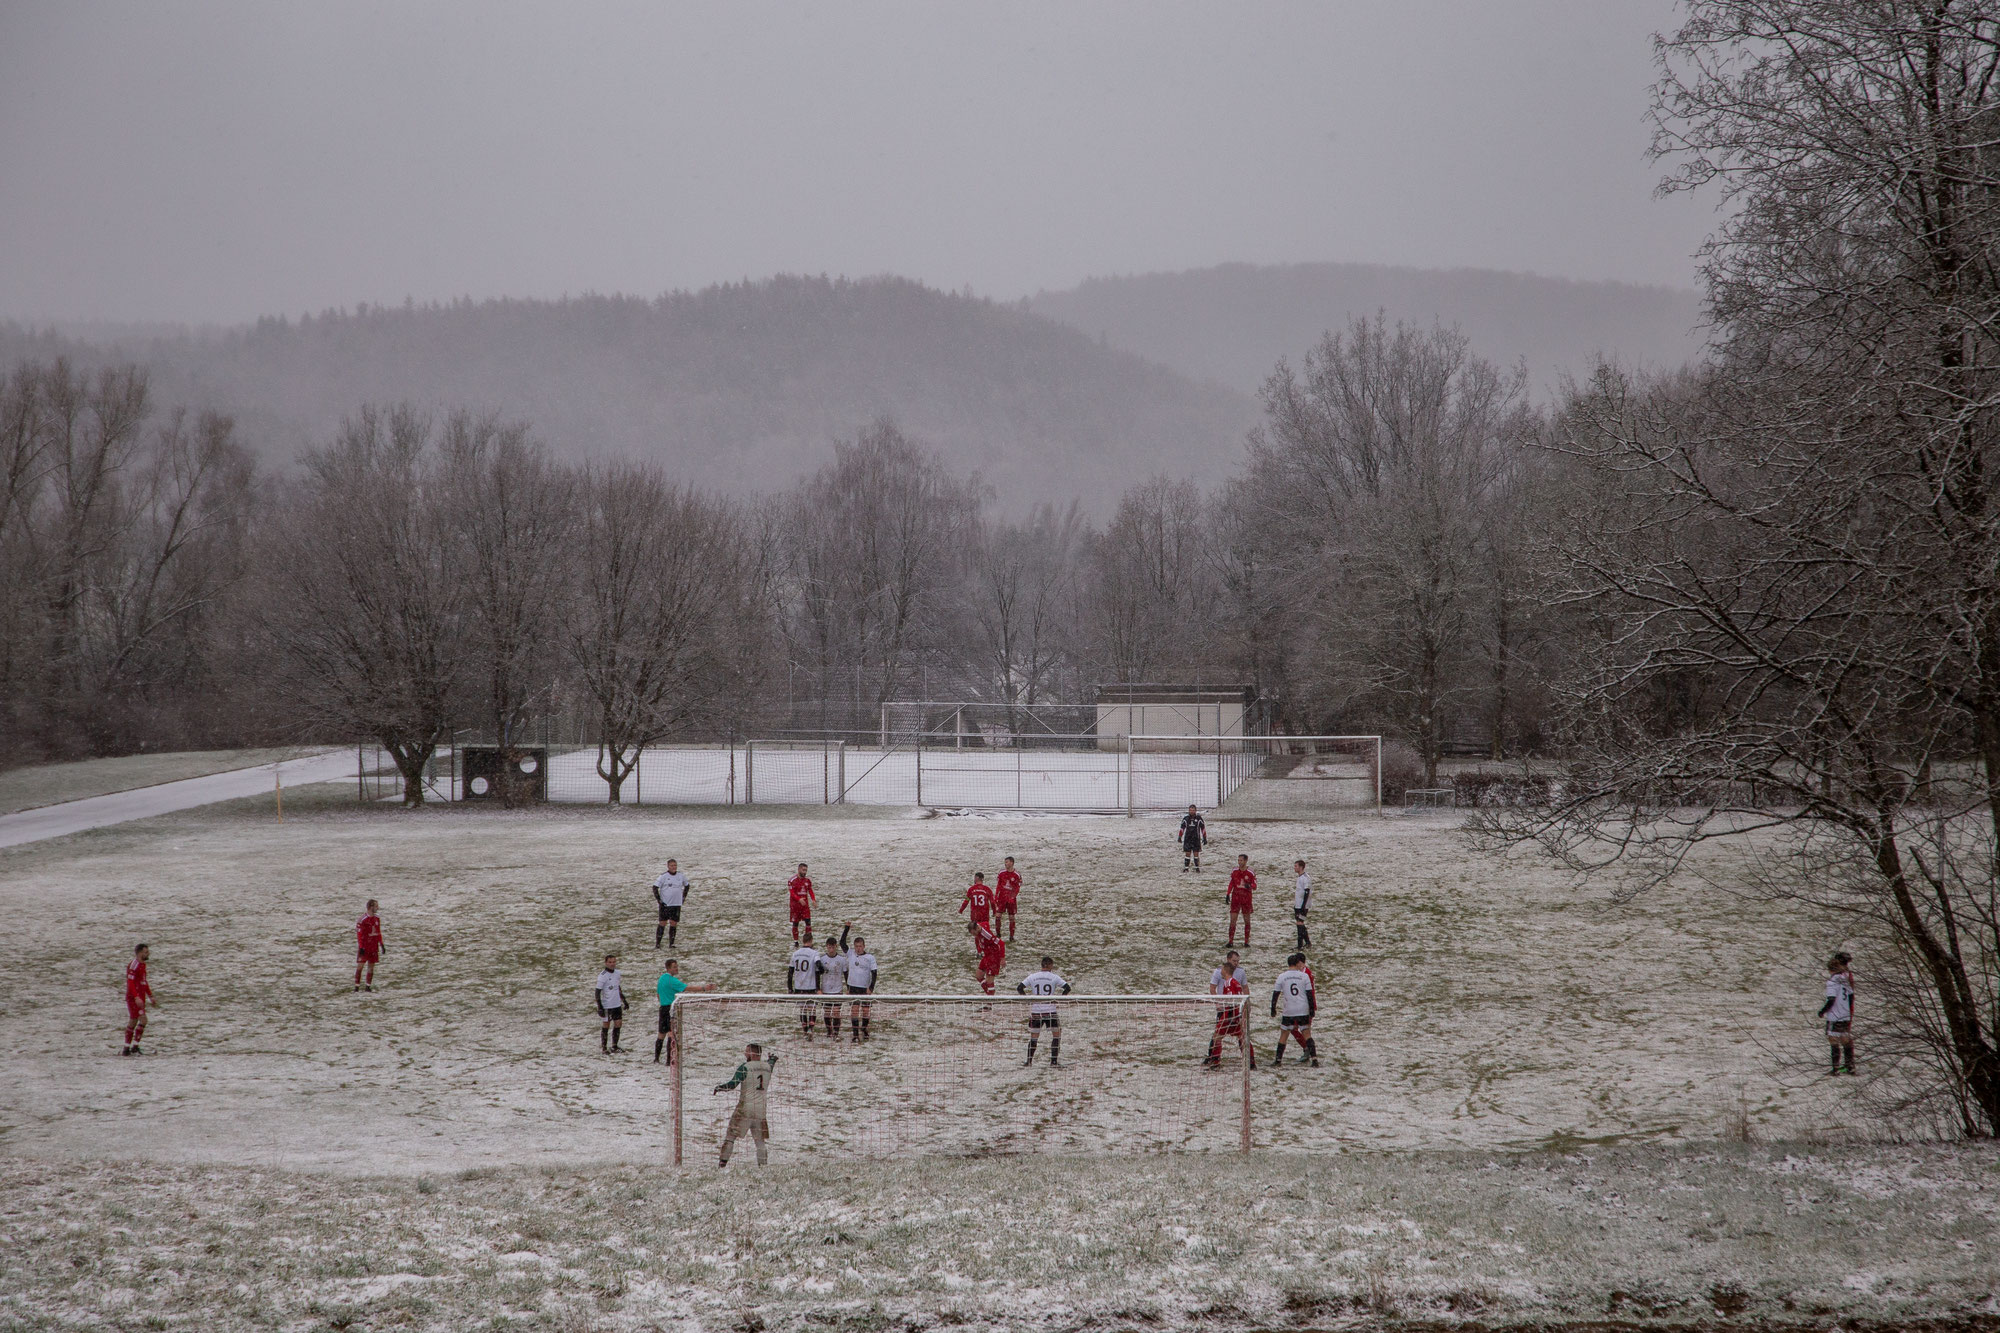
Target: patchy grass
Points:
(1642, 1236)
(1467, 1001)
(1539, 1105)
(38, 785)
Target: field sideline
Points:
(1475, 1009)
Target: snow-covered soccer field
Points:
(1472, 1008)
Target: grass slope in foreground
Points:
(1718, 1237)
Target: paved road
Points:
(55, 821)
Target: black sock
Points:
(1312, 1049)
(1031, 1048)
(659, 933)
(604, 1038)
(672, 931)
(1055, 1048)
(1279, 1058)
(1214, 1050)
(1833, 1056)
(1847, 1054)
(659, 1044)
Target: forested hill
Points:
(740, 387)
(1229, 324)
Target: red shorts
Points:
(1008, 897)
(1229, 1024)
(135, 1010)
(802, 912)
(1239, 905)
(368, 955)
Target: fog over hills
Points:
(740, 388)
(744, 387)
(1229, 324)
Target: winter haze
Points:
(462, 199)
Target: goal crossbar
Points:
(903, 1080)
(1108, 772)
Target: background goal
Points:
(1273, 776)
(943, 1075)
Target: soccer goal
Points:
(1272, 777)
(947, 1075)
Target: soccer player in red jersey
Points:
(979, 898)
(1006, 894)
(1229, 979)
(138, 995)
(368, 945)
(801, 888)
(1242, 884)
(992, 954)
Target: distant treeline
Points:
(1367, 567)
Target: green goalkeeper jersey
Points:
(753, 1078)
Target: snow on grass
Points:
(1646, 1234)
(1550, 1072)
(1467, 1001)
(50, 784)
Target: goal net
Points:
(1274, 777)
(946, 1075)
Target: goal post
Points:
(1270, 777)
(947, 1075)
(1277, 777)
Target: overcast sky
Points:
(215, 162)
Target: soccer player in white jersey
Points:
(670, 891)
(862, 972)
(1302, 893)
(802, 979)
(610, 1005)
(1045, 985)
(1294, 994)
(1838, 1011)
(830, 972)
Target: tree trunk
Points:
(411, 758)
(1958, 1004)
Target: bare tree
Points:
(513, 514)
(1151, 594)
(1378, 463)
(1022, 590)
(1254, 567)
(117, 543)
(669, 622)
(875, 553)
(1792, 557)
(1513, 628)
(368, 607)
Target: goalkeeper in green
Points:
(753, 1076)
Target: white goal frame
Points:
(1112, 773)
(688, 1005)
(1237, 759)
